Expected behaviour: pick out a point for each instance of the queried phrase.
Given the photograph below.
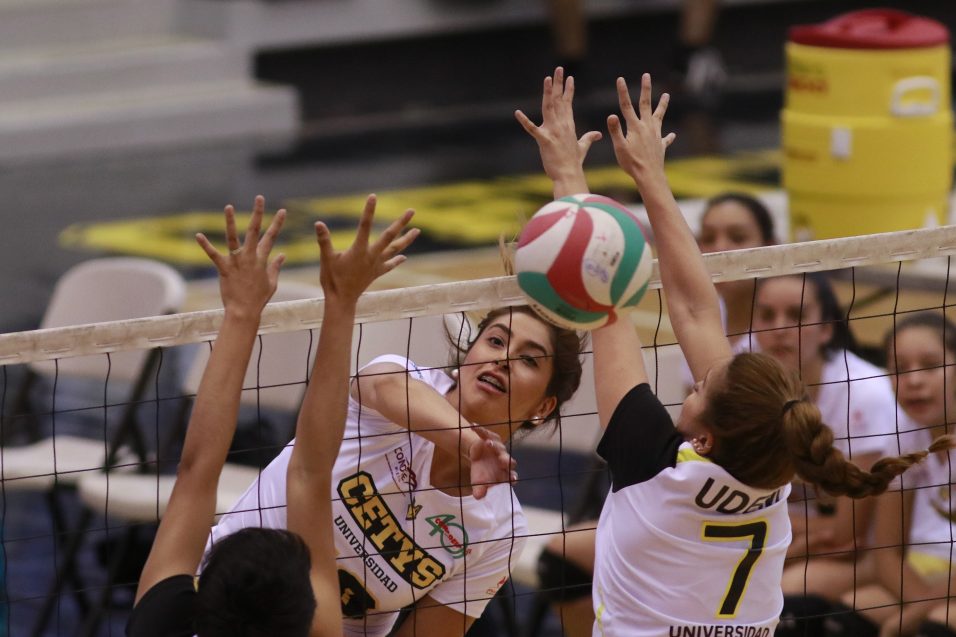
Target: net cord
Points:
(462, 296)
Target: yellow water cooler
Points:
(868, 125)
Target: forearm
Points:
(896, 575)
(324, 408)
(419, 408)
(570, 183)
(216, 408)
(618, 365)
(691, 296)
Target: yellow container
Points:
(868, 127)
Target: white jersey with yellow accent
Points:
(683, 548)
(933, 526)
(398, 538)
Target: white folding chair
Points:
(275, 379)
(98, 290)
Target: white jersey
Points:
(856, 400)
(683, 548)
(398, 538)
(933, 526)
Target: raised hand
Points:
(640, 149)
(345, 275)
(247, 277)
(562, 152)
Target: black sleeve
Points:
(166, 610)
(640, 440)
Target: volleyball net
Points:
(89, 450)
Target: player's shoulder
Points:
(433, 376)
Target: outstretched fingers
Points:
(232, 237)
(615, 129)
(530, 127)
(625, 104)
(210, 250)
(644, 101)
(588, 138)
(268, 239)
(324, 238)
(392, 251)
(255, 224)
(662, 107)
(365, 223)
(390, 242)
(557, 86)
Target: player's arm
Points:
(692, 303)
(893, 520)
(388, 389)
(562, 156)
(430, 618)
(344, 276)
(562, 152)
(247, 279)
(618, 365)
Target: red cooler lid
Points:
(873, 29)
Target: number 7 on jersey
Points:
(723, 532)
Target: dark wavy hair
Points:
(758, 211)
(255, 583)
(818, 285)
(934, 321)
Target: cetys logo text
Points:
(369, 510)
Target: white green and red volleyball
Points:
(581, 260)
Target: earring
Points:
(454, 374)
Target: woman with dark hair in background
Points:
(799, 322)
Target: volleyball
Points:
(581, 260)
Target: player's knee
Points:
(560, 580)
(934, 629)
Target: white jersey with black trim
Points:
(398, 538)
(683, 548)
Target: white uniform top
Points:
(398, 538)
(933, 526)
(856, 400)
(683, 548)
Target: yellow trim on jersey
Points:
(599, 613)
(686, 454)
(928, 566)
(750, 568)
